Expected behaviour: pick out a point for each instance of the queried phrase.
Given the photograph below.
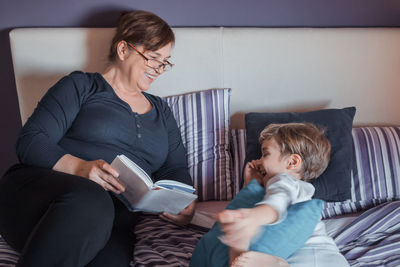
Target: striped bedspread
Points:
(373, 239)
(160, 243)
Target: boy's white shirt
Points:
(283, 190)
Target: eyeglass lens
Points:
(155, 64)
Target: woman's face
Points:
(140, 75)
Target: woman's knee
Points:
(89, 200)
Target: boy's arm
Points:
(282, 191)
(241, 225)
(263, 214)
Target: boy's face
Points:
(272, 160)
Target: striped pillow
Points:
(238, 146)
(375, 177)
(376, 170)
(203, 119)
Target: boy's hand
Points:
(239, 226)
(254, 170)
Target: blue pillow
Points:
(281, 239)
(334, 184)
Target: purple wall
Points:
(104, 13)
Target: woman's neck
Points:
(124, 90)
(120, 83)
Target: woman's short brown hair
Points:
(141, 28)
(304, 139)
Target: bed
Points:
(224, 74)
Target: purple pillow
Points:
(203, 119)
(375, 170)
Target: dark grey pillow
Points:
(334, 184)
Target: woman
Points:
(56, 207)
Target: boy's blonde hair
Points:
(304, 139)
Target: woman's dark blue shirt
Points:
(81, 115)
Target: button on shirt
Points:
(81, 115)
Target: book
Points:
(141, 194)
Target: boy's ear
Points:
(294, 162)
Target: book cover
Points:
(141, 194)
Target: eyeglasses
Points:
(154, 63)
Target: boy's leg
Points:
(53, 218)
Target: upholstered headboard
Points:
(268, 69)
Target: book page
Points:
(142, 195)
(135, 187)
(136, 169)
(171, 184)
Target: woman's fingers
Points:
(110, 175)
(105, 175)
(108, 168)
(183, 218)
(101, 180)
(108, 187)
(179, 219)
(112, 183)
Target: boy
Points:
(292, 155)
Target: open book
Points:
(141, 194)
